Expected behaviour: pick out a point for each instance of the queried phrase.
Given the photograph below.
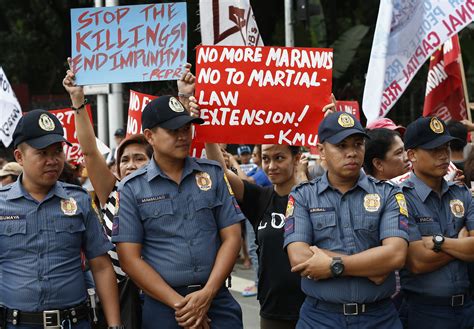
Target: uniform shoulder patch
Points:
(402, 204)
(72, 186)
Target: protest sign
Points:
(406, 34)
(129, 43)
(66, 117)
(262, 95)
(10, 110)
(228, 23)
(137, 103)
(351, 107)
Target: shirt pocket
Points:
(429, 228)
(13, 238)
(159, 218)
(367, 230)
(206, 212)
(324, 228)
(454, 226)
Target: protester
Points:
(178, 227)
(46, 225)
(119, 136)
(441, 229)
(345, 234)
(257, 175)
(385, 157)
(9, 173)
(387, 124)
(244, 153)
(458, 130)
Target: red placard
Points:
(66, 117)
(137, 103)
(351, 107)
(262, 95)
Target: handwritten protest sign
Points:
(129, 43)
(351, 107)
(66, 117)
(137, 103)
(262, 95)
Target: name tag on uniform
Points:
(321, 209)
(424, 219)
(12, 217)
(154, 198)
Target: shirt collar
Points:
(190, 165)
(18, 191)
(362, 182)
(424, 190)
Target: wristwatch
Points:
(438, 241)
(337, 267)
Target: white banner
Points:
(10, 110)
(406, 34)
(228, 23)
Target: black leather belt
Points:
(49, 319)
(349, 308)
(453, 301)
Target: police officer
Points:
(345, 232)
(441, 230)
(44, 225)
(178, 227)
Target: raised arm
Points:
(101, 177)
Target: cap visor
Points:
(441, 140)
(46, 140)
(180, 121)
(340, 136)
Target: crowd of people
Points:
(372, 232)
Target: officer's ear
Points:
(148, 133)
(378, 165)
(411, 153)
(19, 154)
(322, 153)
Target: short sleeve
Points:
(394, 221)
(229, 213)
(298, 227)
(127, 226)
(95, 242)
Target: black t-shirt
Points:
(279, 290)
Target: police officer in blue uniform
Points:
(178, 227)
(346, 234)
(44, 225)
(441, 230)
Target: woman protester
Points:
(133, 153)
(279, 291)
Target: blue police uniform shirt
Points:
(349, 223)
(40, 246)
(178, 225)
(431, 214)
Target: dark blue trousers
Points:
(225, 313)
(312, 317)
(420, 316)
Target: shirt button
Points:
(319, 225)
(156, 213)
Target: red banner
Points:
(444, 95)
(66, 117)
(351, 107)
(137, 103)
(262, 95)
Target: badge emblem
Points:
(46, 123)
(231, 192)
(436, 126)
(290, 207)
(69, 207)
(203, 181)
(402, 203)
(457, 208)
(372, 202)
(176, 105)
(345, 121)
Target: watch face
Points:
(338, 268)
(438, 238)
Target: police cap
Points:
(39, 129)
(338, 126)
(427, 133)
(167, 112)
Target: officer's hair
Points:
(133, 139)
(381, 139)
(458, 130)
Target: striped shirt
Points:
(108, 212)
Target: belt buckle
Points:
(349, 311)
(457, 300)
(49, 318)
